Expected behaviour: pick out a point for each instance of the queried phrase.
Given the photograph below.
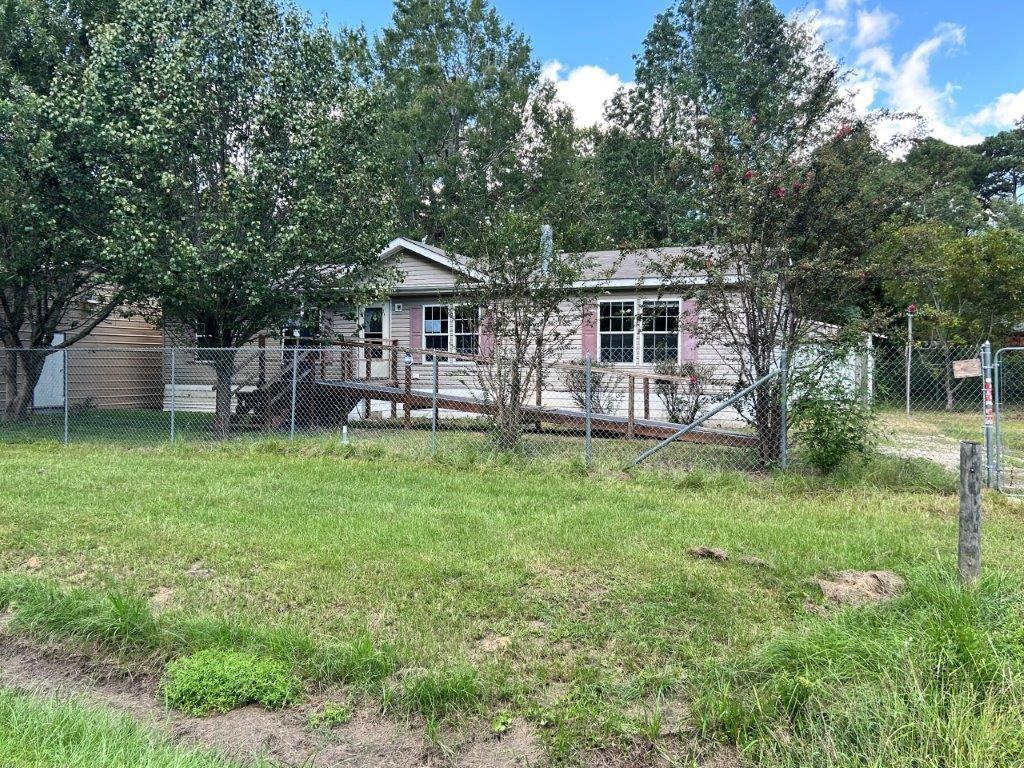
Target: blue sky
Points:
(959, 64)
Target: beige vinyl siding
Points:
(117, 365)
(420, 273)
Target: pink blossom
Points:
(780, 192)
(748, 175)
(716, 168)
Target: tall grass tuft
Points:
(45, 732)
(934, 678)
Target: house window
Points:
(452, 329)
(467, 330)
(435, 328)
(617, 330)
(659, 331)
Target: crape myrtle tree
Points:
(774, 176)
(530, 298)
(243, 150)
(55, 269)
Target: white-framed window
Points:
(659, 331)
(451, 328)
(436, 328)
(617, 331)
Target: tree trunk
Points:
(224, 365)
(948, 380)
(20, 389)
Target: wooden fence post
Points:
(969, 545)
(631, 421)
(394, 376)
(647, 398)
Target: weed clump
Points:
(218, 681)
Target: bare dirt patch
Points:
(860, 587)
(286, 738)
(244, 733)
(708, 553)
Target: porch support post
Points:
(394, 376)
(408, 392)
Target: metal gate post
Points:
(589, 402)
(989, 411)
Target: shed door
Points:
(49, 391)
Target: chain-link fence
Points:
(416, 401)
(929, 397)
(708, 412)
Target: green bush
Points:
(833, 426)
(219, 681)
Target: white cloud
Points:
(586, 89)
(904, 81)
(1002, 113)
(873, 27)
(907, 84)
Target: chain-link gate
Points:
(1008, 408)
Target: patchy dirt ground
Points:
(860, 587)
(944, 451)
(285, 737)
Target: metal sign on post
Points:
(967, 369)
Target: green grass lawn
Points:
(43, 733)
(449, 588)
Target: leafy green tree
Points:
(968, 288)
(53, 218)
(473, 128)
(948, 181)
(242, 148)
(1003, 155)
(459, 80)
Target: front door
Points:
(375, 330)
(49, 391)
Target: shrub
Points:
(219, 681)
(605, 395)
(684, 401)
(833, 427)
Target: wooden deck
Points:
(601, 424)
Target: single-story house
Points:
(632, 324)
